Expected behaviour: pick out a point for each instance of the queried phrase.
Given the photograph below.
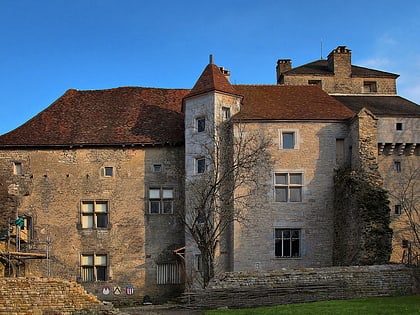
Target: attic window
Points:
(317, 83)
(17, 168)
(369, 87)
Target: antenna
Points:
(321, 49)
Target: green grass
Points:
(384, 305)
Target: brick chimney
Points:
(283, 65)
(339, 62)
(225, 72)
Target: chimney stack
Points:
(283, 65)
(339, 62)
(225, 72)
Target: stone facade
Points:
(133, 241)
(338, 76)
(315, 158)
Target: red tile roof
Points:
(135, 115)
(289, 103)
(126, 115)
(212, 79)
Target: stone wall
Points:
(252, 289)
(44, 296)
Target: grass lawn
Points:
(383, 306)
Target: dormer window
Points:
(369, 87)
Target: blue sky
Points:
(50, 46)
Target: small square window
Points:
(17, 168)
(157, 168)
(108, 171)
(200, 165)
(201, 124)
(288, 139)
(369, 87)
(397, 209)
(94, 214)
(399, 126)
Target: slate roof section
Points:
(126, 115)
(287, 102)
(212, 79)
(320, 67)
(386, 106)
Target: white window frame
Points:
(285, 242)
(161, 197)
(94, 267)
(106, 169)
(90, 215)
(198, 167)
(225, 113)
(295, 134)
(17, 168)
(288, 186)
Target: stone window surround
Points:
(294, 132)
(162, 200)
(289, 185)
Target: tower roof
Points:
(212, 79)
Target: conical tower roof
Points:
(212, 79)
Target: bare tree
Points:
(405, 191)
(238, 163)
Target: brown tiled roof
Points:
(278, 102)
(320, 67)
(381, 105)
(212, 79)
(127, 115)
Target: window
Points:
(288, 139)
(201, 124)
(200, 165)
(225, 113)
(339, 151)
(288, 187)
(94, 267)
(287, 243)
(369, 87)
(397, 166)
(315, 82)
(168, 273)
(161, 200)
(108, 171)
(157, 168)
(17, 168)
(399, 126)
(198, 262)
(94, 214)
(397, 209)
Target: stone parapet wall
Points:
(44, 296)
(253, 289)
